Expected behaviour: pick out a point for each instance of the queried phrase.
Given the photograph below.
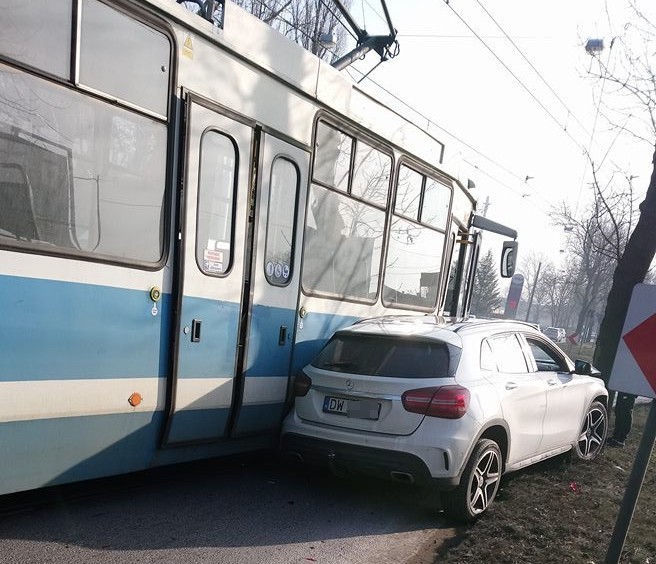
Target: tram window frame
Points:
(458, 261)
(321, 159)
(358, 170)
(411, 211)
(443, 218)
(412, 217)
(320, 183)
(98, 74)
(156, 177)
(207, 255)
(271, 277)
(42, 52)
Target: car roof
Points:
(434, 327)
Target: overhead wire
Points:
(460, 141)
(441, 36)
(375, 11)
(544, 80)
(336, 16)
(594, 128)
(591, 134)
(524, 196)
(422, 116)
(519, 81)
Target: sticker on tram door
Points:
(213, 260)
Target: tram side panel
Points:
(83, 167)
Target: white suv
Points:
(453, 406)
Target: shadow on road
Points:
(222, 504)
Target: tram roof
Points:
(256, 43)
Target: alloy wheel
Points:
(485, 481)
(593, 432)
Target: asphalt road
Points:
(228, 512)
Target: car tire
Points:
(479, 483)
(593, 432)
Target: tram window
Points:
(332, 159)
(38, 33)
(91, 174)
(216, 188)
(408, 193)
(343, 245)
(435, 207)
(412, 272)
(279, 246)
(371, 174)
(123, 57)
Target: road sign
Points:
(514, 295)
(634, 370)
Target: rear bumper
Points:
(345, 458)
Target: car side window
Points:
(546, 359)
(508, 354)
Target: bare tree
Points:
(559, 293)
(534, 289)
(304, 21)
(268, 11)
(596, 240)
(634, 78)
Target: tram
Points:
(187, 212)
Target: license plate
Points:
(358, 409)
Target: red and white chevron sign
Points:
(634, 370)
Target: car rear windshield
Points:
(385, 356)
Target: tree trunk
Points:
(631, 270)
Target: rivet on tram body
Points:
(135, 399)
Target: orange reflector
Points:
(135, 399)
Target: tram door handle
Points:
(195, 330)
(282, 336)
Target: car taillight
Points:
(447, 402)
(302, 385)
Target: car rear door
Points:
(522, 394)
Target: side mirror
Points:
(508, 258)
(582, 367)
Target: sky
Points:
(523, 144)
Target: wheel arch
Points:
(498, 432)
(602, 398)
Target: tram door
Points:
(210, 283)
(275, 281)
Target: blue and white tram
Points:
(187, 212)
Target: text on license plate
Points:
(360, 409)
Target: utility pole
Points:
(530, 299)
(485, 206)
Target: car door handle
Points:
(553, 382)
(511, 385)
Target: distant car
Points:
(454, 406)
(556, 334)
